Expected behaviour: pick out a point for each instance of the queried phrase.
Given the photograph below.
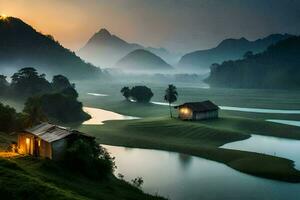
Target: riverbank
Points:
(203, 140)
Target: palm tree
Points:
(126, 92)
(171, 96)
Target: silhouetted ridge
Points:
(22, 46)
(229, 49)
(276, 68)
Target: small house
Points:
(198, 110)
(47, 140)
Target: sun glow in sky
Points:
(179, 25)
(3, 16)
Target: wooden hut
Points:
(47, 140)
(198, 110)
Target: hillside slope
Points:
(229, 49)
(276, 68)
(142, 60)
(22, 46)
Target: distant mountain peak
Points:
(141, 59)
(103, 33)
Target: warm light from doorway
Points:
(185, 111)
(27, 141)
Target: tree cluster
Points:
(137, 93)
(56, 100)
(28, 82)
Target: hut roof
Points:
(203, 106)
(50, 133)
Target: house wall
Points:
(44, 148)
(205, 115)
(59, 148)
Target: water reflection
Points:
(287, 122)
(280, 147)
(185, 160)
(98, 116)
(98, 95)
(260, 110)
(163, 174)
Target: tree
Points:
(171, 96)
(33, 108)
(27, 82)
(8, 118)
(70, 92)
(60, 82)
(126, 92)
(3, 84)
(141, 94)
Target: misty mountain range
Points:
(274, 62)
(22, 46)
(276, 68)
(104, 50)
(229, 49)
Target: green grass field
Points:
(29, 178)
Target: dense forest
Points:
(22, 46)
(276, 68)
(54, 101)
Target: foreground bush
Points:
(89, 158)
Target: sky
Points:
(178, 25)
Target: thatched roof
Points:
(51, 133)
(203, 106)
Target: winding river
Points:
(178, 176)
(98, 116)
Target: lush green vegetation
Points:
(10, 120)
(56, 100)
(62, 106)
(277, 67)
(84, 155)
(29, 178)
(199, 139)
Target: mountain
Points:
(105, 49)
(229, 49)
(143, 60)
(22, 46)
(276, 68)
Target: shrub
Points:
(89, 158)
